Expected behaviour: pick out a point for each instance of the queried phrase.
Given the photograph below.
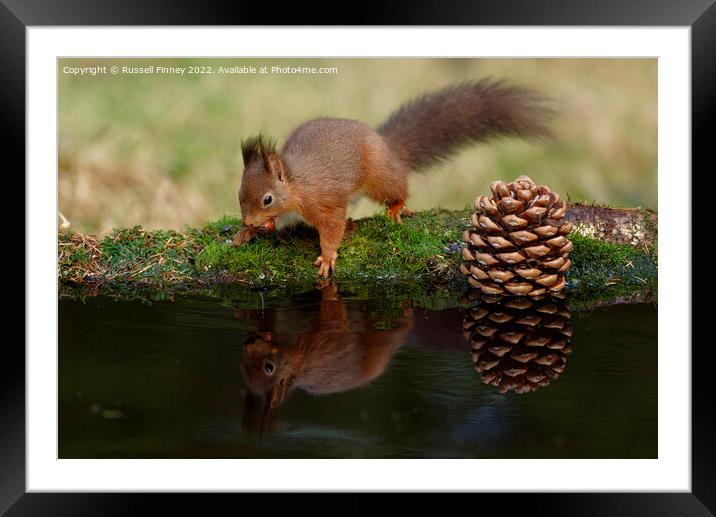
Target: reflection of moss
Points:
(375, 254)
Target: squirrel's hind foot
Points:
(395, 210)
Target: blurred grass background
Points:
(162, 151)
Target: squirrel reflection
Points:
(335, 354)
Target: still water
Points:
(335, 374)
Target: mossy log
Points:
(614, 255)
(634, 226)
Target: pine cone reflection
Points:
(518, 343)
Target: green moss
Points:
(76, 257)
(376, 248)
(618, 268)
(588, 250)
(137, 254)
(412, 259)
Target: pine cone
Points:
(518, 242)
(518, 343)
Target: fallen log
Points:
(634, 226)
(614, 255)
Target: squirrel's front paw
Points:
(325, 265)
(249, 232)
(244, 235)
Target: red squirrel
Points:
(326, 162)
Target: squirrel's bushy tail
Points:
(431, 127)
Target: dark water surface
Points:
(352, 376)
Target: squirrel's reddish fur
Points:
(325, 162)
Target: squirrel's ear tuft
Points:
(275, 166)
(257, 147)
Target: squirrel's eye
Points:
(268, 368)
(268, 199)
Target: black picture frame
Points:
(700, 15)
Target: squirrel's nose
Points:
(248, 221)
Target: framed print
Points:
(360, 258)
